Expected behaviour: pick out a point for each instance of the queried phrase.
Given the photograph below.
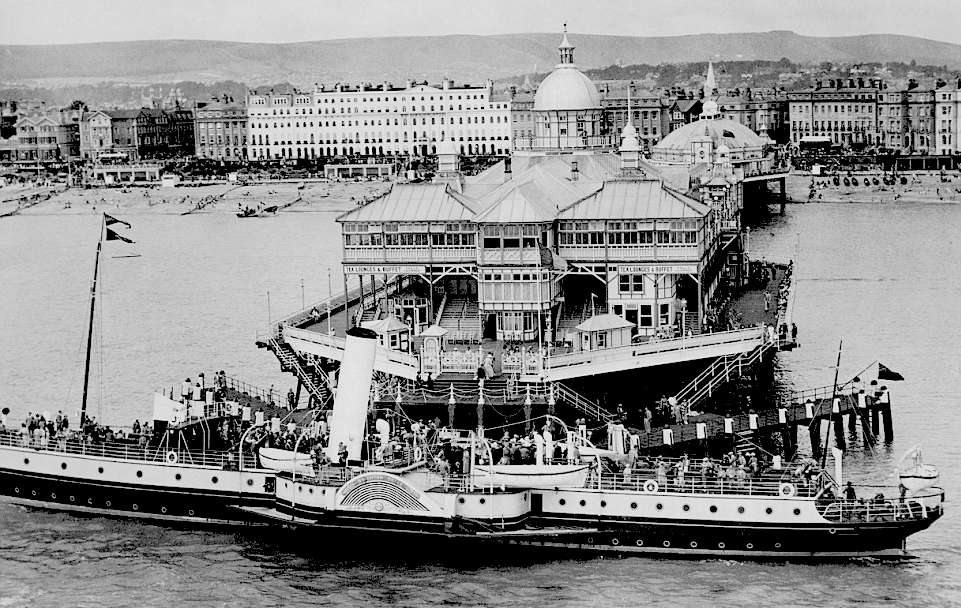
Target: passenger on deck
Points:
(849, 493)
(341, 454)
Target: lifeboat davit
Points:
(914, 474)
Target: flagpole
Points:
(93, 304)
(834, 393)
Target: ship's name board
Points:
(386, 269)
(659, 269)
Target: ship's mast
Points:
(834, 394)
(93, 306)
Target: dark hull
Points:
(535, 533)
(116, 500)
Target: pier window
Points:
(631, 283)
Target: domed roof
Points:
(720, 130)
(566, 88)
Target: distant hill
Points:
(464, 58)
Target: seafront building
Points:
(838, 111)
(42, 135)
(136, 134)
(220, 130)
(377, 120)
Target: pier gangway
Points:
(722, 370)
(653, 353)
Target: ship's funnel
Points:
(353, 393)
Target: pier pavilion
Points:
(517, 261)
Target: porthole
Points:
(562, 502)
(633, 505)
(713, 509)
(108, 503)
(310, 490)
(53, 495)
(659, 506)
(163, 509)
(214, 479)
(26, 461)
(483, 500)
(797, 511)
(777, 545)
(63, 465)
(615, 542)
(190, 512)
(721, 545)
(16, 490)
(693, 544)
(33, 492)
(740, 510)
(100, 469)
(590, 540)
(603, 503)
(583, 503)
(177, 476)
(139, 473)
(769, 510)
(667, 543)
(73, 499)
(749, 545)
(89, 501)
(832, 531)
(687, 507)
(639, 542)
(250, 482)
(461, 500)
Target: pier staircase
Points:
(744, 442)
(581, 403)
(721, 371)
(460, 318)
(311, 377)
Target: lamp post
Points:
(683, 303)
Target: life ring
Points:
(172, 457)
(418, 454)
(650, 486)
(787, 490)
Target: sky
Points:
(70, 21)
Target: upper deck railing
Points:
(129, 451)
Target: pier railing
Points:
(649, 348)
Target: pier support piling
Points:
(839, 439)
(885, 411)
(814, 430)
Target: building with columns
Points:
(220, 130)
(376, 121)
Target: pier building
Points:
(569, 260)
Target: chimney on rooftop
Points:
(574, 171)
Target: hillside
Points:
(464, 58)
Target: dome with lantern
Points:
(704, 139)
(567, 109)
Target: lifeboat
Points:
(544, 476)
(915, 475)
(286, 461)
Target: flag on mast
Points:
(111, 220)
(886, 373)
(113, 235)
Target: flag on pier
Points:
(886, 373)
(113, 235)
(111, 220)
